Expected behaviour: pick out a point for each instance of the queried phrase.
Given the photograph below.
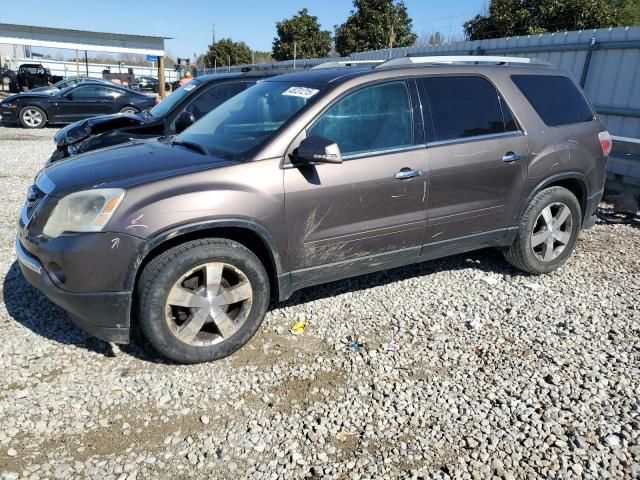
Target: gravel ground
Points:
(459, 368)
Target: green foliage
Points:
(225, 50)
(436, 39)
(507, 18)
(629, 11)
(304, 30)
(373, 25)
(262, 57)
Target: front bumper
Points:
(105, 315)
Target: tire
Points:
(129, 110)
(32, 117)
(539, 249)
(164, 316)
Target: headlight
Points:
(86, 211)
(75, 134)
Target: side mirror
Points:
(184, 120)
(316, 149)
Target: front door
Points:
(478, 158)
(85, 101)
(372, 203)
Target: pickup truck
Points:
(32, 75)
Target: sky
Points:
(190, 22)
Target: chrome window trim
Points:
(475, 138)
(407, 148)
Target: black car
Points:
(67, 82)
(179, 110)
(85, 100)
(151, 84)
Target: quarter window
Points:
(464, 107)
(370, 119)
(555, 98)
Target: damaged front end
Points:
(70, 139)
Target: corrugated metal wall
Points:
(605, 61)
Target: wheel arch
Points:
(575, 182)
(250, 234)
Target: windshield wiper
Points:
(191, 145)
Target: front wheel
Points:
(32, 117)
(202, 300)
(129, 110)
(548, 232)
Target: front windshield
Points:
(166, 105)
(249, 119)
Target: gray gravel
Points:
(459, 368)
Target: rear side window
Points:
(370, 119)
(464, 107)
(556, 99)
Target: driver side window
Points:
(214, 97)
(370, 119)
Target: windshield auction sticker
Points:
(302, 92)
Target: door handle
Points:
(512, 157)
(407, 173)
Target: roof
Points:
(50, 37)
(339, 75)
(222, 76)
(325, 75)
(42, 29)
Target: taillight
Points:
(606, 142)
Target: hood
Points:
(29, 94)
(78, 131)
(48, 90)
(123, 166)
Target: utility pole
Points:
(295, 46)
(215, 65)
(228, 63)
(391, 40)
(213, 34)
(253, 58)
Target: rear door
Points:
(478, 157)
(375, 201)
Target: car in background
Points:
(150, 83)
(171, 116)
(32, 75)
(67, 82)
(85, 100)
(7, 78)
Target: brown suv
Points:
(311, 177)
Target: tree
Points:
(374, 25)
(629, 11)
(227, 52)
(435, 39)
(508, 18)
(303, 30)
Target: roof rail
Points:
(458, 59)
(348, 63)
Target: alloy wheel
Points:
(32, 117)
(209, 304)
(552, 232)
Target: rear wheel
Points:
(202, 300)
(129, 110)
(32, 117)
(548, 232)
